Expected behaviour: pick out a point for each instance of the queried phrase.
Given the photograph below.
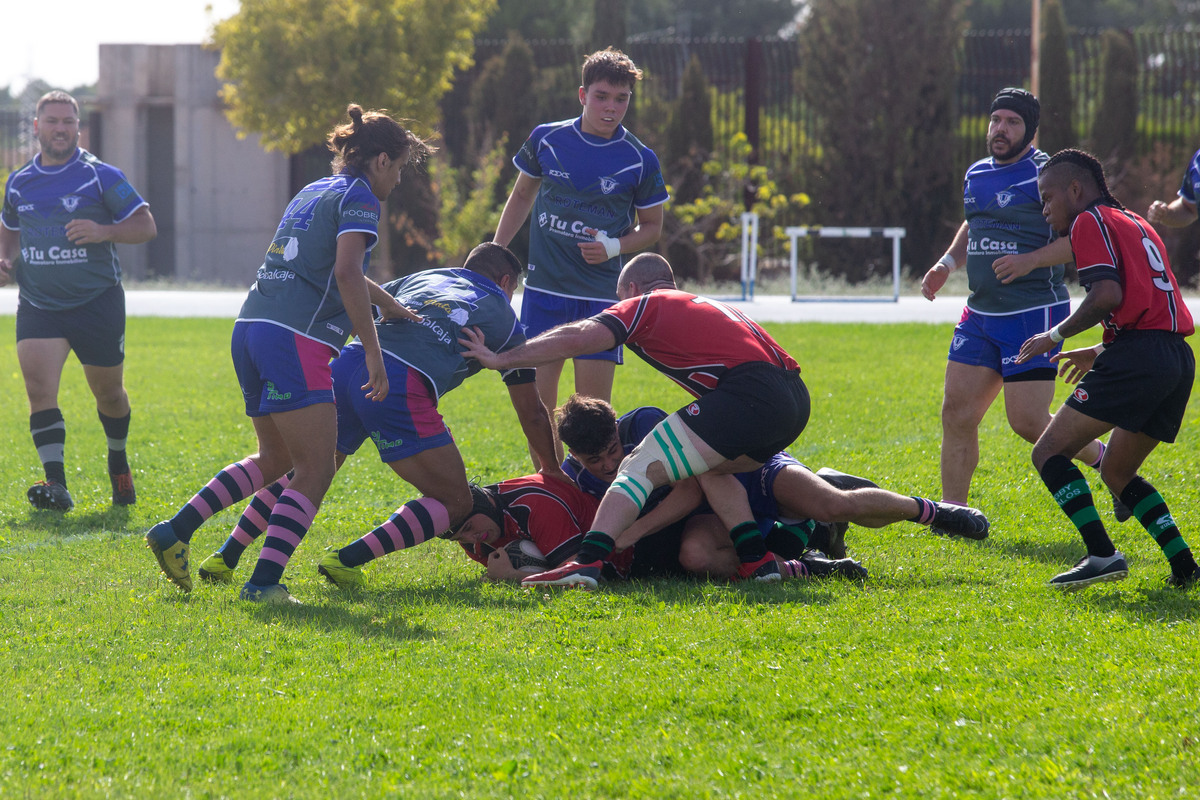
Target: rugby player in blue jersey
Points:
(1016, 280)
(310, 294)
(423, 363)
(595, 192)
(63, 212)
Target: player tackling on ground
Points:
(1136, 383)
(751, 404)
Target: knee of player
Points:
(1029, 428)
(458, 503)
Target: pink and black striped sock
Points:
(414, 522)
(231, 485)
(253, 521)
(290, 520)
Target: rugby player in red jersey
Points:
(1136, 383)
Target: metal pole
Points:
(1035, 48)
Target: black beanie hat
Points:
(1023, 103)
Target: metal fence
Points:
(755, 85)
(756, 90)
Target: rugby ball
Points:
(525, 556)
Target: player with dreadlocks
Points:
(1136, 383)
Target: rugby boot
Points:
(572, 573)
(171, 553)
(123, 493)
(766, 569)
(50, 496)
(952, 520)
(1092, 569)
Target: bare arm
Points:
(1176, 214)
(535, 423)
(137, 228)
(645, 233)
(935, 277)
(516, 210)
(557, 344)
(1101, 299)
(389, 306)
(352, 284)
(1009, 268)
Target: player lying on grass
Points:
(784, 497)
(751, 404)
(423, 362)
(1136, 383)
(528, 524)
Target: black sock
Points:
(927, 512)
(1151, 510)
(596, 546)
(1074, 497)
(116, 429)
(748, 542)
(49, 432)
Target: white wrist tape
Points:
(948, 262)
(611, 246)
(1055, 335)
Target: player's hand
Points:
(398, 311)
(1035, 346)
(86, 231)
(556, 472)
(1012, 266)
(593, 252)
(500, 568)
(1156, 212)
(934, 280)
(376, 386)
(473, 347)
(6, 272)
(1075, 363)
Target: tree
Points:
(504, 100)
(290, 67)
(699, 18)
(690, 127)
(1115, 126)
(880, 77)
(1057, 128)
(608, 24)
(540, 19)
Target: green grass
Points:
(952, 673)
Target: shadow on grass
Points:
(59, 527)
(368, 624)
(1058, 553)
(1162, 604)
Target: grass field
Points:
(953, 672)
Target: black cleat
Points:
(821, 566)
(1092, 569)
(1184, 582)
(50, 496)
(952, 520)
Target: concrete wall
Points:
(224, 198)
